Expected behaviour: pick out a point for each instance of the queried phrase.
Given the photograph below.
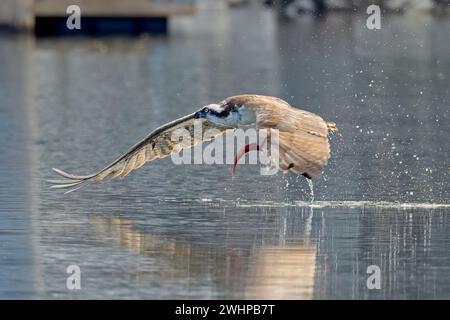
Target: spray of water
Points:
(311, 189)
(322, 204)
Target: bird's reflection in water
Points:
(267, 269)
(125, 233)
(283, 273)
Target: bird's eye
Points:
(205, 110)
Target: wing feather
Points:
(157, 144)
(303, 139)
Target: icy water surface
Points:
(195, 232)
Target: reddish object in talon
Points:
(241, 152)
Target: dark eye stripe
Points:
(214, 112)
(229, 107)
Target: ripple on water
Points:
(327, 204)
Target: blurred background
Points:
(75, 99)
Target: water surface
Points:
(193, 231)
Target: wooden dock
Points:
(96, 15)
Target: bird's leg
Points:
(242, 152)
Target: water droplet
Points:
(311, 189)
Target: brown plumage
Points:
(303, 137)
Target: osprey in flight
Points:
(303, 145)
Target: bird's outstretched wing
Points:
(157, 144)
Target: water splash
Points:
(326, 204)
(311, 189)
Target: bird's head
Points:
(226, 114)
(207, 111)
